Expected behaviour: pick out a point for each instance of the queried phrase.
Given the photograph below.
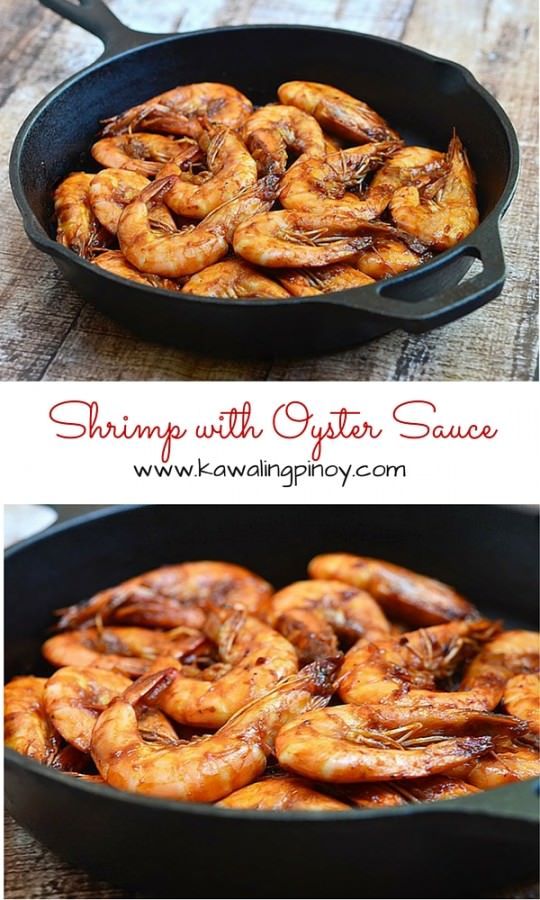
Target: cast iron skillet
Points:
(175, 849)
(423, 96)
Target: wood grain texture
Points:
(47, 332)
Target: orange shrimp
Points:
(401, 593)
(209, 768)
(27, 728)
(281, 792)
(193, 248)
(256, 657)
(331, 606)
(323, 280)
(76, 224)
(230, 169)
(115, 262)
(180, 110)
(144, 153)
(233, 278)
(173, 596)
(337, 111)
(404, 669)
(130, 651)
(443, 211)
(273, 129)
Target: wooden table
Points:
(48, 332)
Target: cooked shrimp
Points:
(281, 792)
(274, 129)
(297, 238)
(131, 651)
(444, 211)
(408, 165)
(74, 698)
(173, 596)
(76, 224)
(333, 184)
(233, 278)
(510, 653)
(420, 790)
(373, 795)
(404, 669)
(337, 111)
(110, 192)
(434, 788)
(348, 612)
(389, 257)
(115, 262)
(374, 743)
(521, 698)
(144, 153)
(230, 167)
(26, 726)
(212, 767)
(193, 248)
(501, 766)
(256, 657)
(323, 280)
(180, 110)
(402, 593)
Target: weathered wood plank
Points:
(48, 332)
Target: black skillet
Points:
(422, 96)
(459, 848)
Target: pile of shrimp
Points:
(204, 194)
(365, 685)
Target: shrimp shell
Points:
(281, 792)
(256, 658)
(144, 153)
(192, 249)
(349, 612)
(180, 110)
(323, 280)
(231, 169)
(403, 670)
(27, 728)
(332, 184)
(442, 212)
(77, 226)
(115, 262)
(130, 651)
(336, 111)
(370, 743)
(110, 192)
(233, 278)
(273, 129)
(210, 768)
(401, 593)
(173, 596)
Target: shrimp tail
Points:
(320, 675)
(155, 192)
(267, 187)
(147, 689)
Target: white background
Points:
(40, 467)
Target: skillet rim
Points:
(39, 236)
(485, 803)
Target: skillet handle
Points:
(382, 299)
(96, 17)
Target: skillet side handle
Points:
(96, 17)
(457, 301)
